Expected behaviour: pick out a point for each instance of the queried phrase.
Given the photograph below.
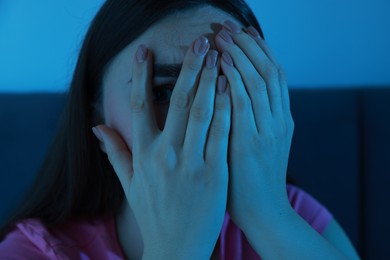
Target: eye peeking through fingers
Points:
(162, 94)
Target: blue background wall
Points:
(319, 43)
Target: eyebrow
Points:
(166, 70)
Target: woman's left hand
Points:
(261, 129)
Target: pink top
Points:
(80, 239)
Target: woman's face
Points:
(168, 40)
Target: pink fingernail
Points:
(201, 46)
(222, 84)
(224, 35)
(231, 27)
(211, 59)
(142, 53)
(227, 58)
(98, 134)
(253, 32)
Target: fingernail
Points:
(201, 46)
(222, 84)
(211, 59)
(98, 134)
(142, 53)
(253, 32)
(227, 58)
(231, 27)
(225, 36)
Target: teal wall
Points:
(319, 43)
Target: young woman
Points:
(174, 145)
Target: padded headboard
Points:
(340, 154)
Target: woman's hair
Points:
(76, 179)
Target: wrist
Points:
(267, 216)
(262, 223)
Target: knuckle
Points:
(137, 104)
(257, 141)
(200, 113)
(221, 103)
(194, 66)
(243, 103)
(180, 100)
(271, 71)
(259, 85)
(219, 128)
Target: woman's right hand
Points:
(176, 180)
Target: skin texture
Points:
(261, 130)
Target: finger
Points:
(254, 83)
(218, 137)
(242, 106)
(282, 77)
(184, 92)
(144, 125)
(202, 109)
(281, 74)
(251, 31)
(285, 93)
(241, 44)
(118, 153)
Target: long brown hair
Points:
(76, 179)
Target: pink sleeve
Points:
(31, 239)
(309, 208)
(17, 246)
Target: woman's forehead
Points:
(174, 34)
(170, 38)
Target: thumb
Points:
(117, 151)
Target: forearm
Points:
(287, 236)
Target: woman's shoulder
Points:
(309, 208)
(74, 239)
(16, 245)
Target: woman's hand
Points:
(262, 127)
(176, 181)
